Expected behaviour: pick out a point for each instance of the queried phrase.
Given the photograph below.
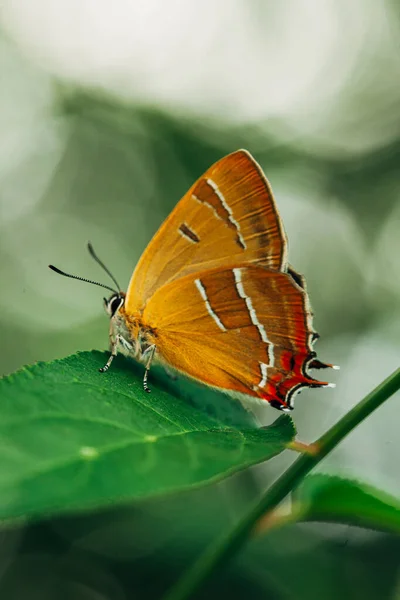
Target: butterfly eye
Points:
(115, 304)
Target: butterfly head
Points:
(114, 303)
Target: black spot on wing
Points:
(189, 233)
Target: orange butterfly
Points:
(213, 295)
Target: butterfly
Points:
(213, 295)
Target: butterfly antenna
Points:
(81, 279)
(100, 262)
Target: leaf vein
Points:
(131, 398)
(109, 448)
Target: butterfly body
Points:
(214, 297)
(135, 331)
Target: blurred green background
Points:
(108, 113)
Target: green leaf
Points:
(72, 438)
(333, 499)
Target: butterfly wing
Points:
(227, 217)
(243, 329)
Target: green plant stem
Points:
(228, 544)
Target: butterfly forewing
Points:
(244, 329)
(227, 217)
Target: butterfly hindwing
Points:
(243, 329)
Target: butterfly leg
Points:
(110, 359)
(114, 350)
(150, 350)
(127, 345)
